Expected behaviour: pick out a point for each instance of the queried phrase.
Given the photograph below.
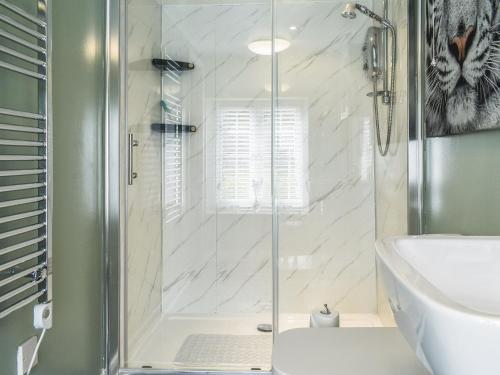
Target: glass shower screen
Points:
(251, 179)
(199, 269)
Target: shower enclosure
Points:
(251, 190)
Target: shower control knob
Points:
(134, 175)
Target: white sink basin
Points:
(445, 295)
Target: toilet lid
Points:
(344, 351)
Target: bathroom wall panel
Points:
(244, 281)
(189, 255)
(144, 220)
(391, 171)
(215, 260)
(326, 250)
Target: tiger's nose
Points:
(461, 43)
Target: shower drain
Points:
(265, 327)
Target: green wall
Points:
(72, 346)
(19, 93)
(462, 190)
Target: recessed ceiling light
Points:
(293, 27)
(265, 46)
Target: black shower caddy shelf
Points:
(173, 128)
(172, 65)
(178, 66)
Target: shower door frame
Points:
(115, 174)
(416, 105)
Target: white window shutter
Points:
(244, 146)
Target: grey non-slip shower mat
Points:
(220, 351)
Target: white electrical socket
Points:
(42, 315)
(24, 354)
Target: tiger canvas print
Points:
(463, 66)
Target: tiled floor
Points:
(160, 347)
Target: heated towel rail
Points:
(25, 157)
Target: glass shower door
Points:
(142, 270)
(252, 178)
(199, 270)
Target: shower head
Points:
(350, 13)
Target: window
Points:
(244, 157)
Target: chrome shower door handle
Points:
(131, 144)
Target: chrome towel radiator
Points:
(25, 157)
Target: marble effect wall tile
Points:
(391, 171)
(143, 296)
(207, 268)
(217, 261)
(327, 252)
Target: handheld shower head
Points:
(375, 69)
(349, 11)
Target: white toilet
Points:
(344, 351)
